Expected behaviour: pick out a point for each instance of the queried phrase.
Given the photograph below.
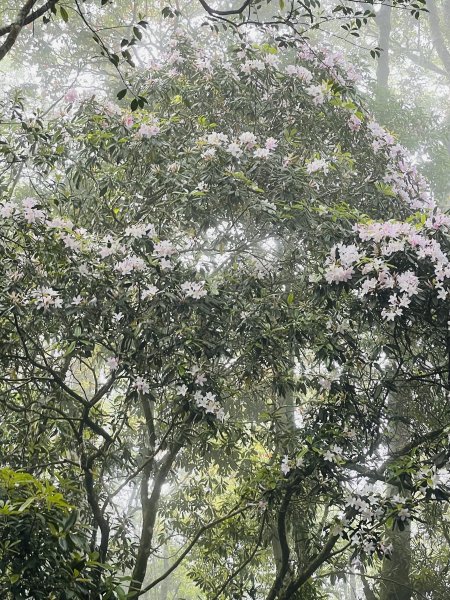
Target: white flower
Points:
(110, 247)
(404, 514)
(336, 274)
(397, 499)
(369, 547)
(285, 468)
(263, 153)
(71, 243)
(141, 385)
(209, 154)
(200, 379)
(216, 139)
(221, 416)
(319, 93)
(369, 285)
(140, 230)
(71, 95)
(354, 124)
(291, 70)
(248, 139)
(130, 264)
(319, 164)
(163, 249)
(301, 72)
(194, 289)
(149, 292)
(47, 297)
(329, 456)
(117, 317)
(165, 264)
(304, 74)
(234, 149)
(182, 390)
(32, 214)
(7, 210)
(408, 283)
(337, 530)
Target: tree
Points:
(168, 304)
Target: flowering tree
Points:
(167, 307)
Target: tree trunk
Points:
(437, 36)
(395, 583)
(383, 20)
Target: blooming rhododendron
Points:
(256, 251)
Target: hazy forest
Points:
(224, 300)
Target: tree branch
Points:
(192, 543)
(223, 13)
(285, 551)
(24, 18)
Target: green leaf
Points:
(71, 520)
(28, 502)
(70, 348)
(64, 14)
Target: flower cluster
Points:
(246, 142)
(204, 400)
(375, 261)
(193, 289)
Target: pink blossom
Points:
(354, 123)
(71, 96)
(113, 363)
(128, 120)
(248, 139)
(338, 274)
(271, 143)
(148, 130)
(408, 282)
(164, 249)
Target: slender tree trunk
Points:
(383, 20)
(287, 412)
(150, 506)
(437, 36)
(352, 587)
(395, 582)
(164, 589)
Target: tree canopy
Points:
(225, 355)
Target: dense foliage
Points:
(224, 331)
